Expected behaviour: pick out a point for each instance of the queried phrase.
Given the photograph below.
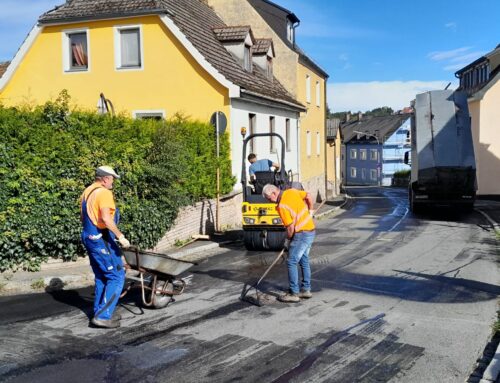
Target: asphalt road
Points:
(397, 298)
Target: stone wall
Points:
(200, 219)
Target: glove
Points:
(124, 242)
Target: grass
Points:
(38, 284)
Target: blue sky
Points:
(377, 52)
(386, 51)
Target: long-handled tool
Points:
(244, 293)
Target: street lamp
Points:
(378, 154)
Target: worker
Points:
(295, 210)
(259, 165)
(99, 217)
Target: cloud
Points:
(456, 59)
(446, 55)
(363, 96)
(451, 25)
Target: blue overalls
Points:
(106, 263)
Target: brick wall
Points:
(200, 219)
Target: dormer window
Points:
(248, 58)
(269, 67)
(263, 54)
(238, 41)
(289, 31)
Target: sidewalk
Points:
(55, 274)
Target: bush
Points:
(402, 174)
(48, 156)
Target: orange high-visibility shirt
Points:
(96, 201)
(293, 209)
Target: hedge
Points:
(48, 155)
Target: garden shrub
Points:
(48, 156)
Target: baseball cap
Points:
(102, 171)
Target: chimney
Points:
(347, 116)
(360, 116)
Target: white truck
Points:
(443, 167)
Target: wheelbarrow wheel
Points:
(158, 299)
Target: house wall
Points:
(313, 164)
(485, 117)
(238, 12)
(394, 150)
(240, 111)
(171, 80)
(362, 166)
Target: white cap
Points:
(103, 171)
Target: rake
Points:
(244, 293)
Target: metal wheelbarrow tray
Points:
(157, 275)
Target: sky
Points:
(377, 52)
(384, 52)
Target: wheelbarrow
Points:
(157, 276)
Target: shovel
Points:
(244, 293)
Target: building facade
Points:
(302, 78)
(156, 59)
(480, 80)
(393, 153)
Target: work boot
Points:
(289, 298)
(116, 316)
(105, 323)
(305, 294)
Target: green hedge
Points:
(48, 156)
(401, 174)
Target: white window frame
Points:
(353, 172)
(287, 135)
(272, 129)
(290, 31)
(353, 154)
(363, 154)
(308, 143)
(118, 47)
(373, 174)
(247, 58)
(363, 174)
(318, 94)
(318, 144)
(308, 89)
(67, 54)
(374, 154)
(252, 129)
(138, 114)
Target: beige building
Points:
(301, 77)
(480, 80)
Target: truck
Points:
(443, 167)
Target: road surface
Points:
(396, 298)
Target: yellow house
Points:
(153, 58)
(480, 80)
(298, 73)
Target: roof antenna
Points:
(447, 86)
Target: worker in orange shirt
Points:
(99, 217)
(294, 208)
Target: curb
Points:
(493, 370)
(80, 278)
(335, 208)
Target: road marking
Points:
(489, 219)
(397, 223)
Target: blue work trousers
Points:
(298, 255)
(109, 272)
